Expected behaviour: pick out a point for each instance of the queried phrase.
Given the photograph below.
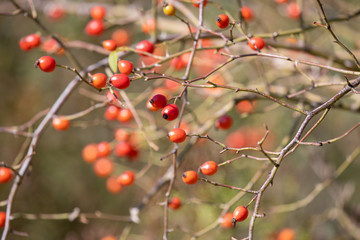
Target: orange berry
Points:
(5, 174)
(90, 153)
(113, 186)
(175, 203)
(95, 27)
(247, 13)
(245, 106)
(109, 237)
(109, 45)
(125, 67)
(98, 12)
(281, 1)
(24, 45)
(127, 178)
(98, 80)
(226, 220)
(258, 41)
(196, 3)
(286, 234)
(293, 10)
(2, 219)
(124, 115)
(104, 149)
(177, 135)
(240, 214)
(121, 134)
(121, 37)
(103, 167)
(111, 112)
(190, 177)
(33, 39)
(236, 139)
(209, 168)
(60, 124)
(222, 21)
(122, 149)
(46, 64)
(148, 26)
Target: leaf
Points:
(113, 59)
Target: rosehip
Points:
(175, 203)
(125, 67)
(240, 214)
(98, 80)
(5, 174)
(259, 42)
(190, 177)
(120, 81)
(127, 178)
(46, 64)
(224, 122)
(209, 168)
(170, 112)
(222, 21)
(145, 46)
(177, 135)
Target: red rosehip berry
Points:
(175, 203)
(158, 101)
(145, 46)
(5, 174)
(196, 3)
(224, 122)
(33, 39)
(121, 37)
(104, 149)
(24, 45)
(293, 10)
(103, 167)
(122, 149)
(240, 214)
(125, 67)
(120, 81)
(60, 124)
(2, 219)
(121, 134)
(46, 64)
(209, 168)
(98, 80)
(124, 115)
(113, 186)
(98, 12)
(222, 21)
(258, 41)
(95, 27)
(55, 12)
(90, 153)
(112, 112)
(226, 220)
(281, 1)
(177, 135)
(109, 45)
(127, 178)
(190, 177)
(246, 13)
(170, 112)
